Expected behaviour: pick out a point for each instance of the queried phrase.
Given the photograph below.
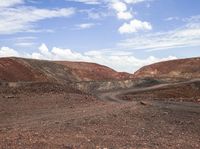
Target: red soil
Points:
(14, 70)
(27, 70)
(91, 71)
(182, 68)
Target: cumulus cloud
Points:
(134, 26)
(122, 10)
(124, 15)
(119, 6)
(119, 60)
(6, 52)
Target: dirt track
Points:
(81, 121)
(113, 95)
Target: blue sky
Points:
(122, 34)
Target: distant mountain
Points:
(182, 68)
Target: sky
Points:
(122, 34)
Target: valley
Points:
(46, 104)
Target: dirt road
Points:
(113, 95)
(69, 121)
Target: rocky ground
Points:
(189, 92)
(77, 120)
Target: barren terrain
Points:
(175, 69)
(54, 113)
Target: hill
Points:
(182, 68)
(29, 70)
(93, 72)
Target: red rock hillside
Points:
(29, 70)
(182, 68)
(93, 72)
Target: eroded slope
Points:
(182, 68)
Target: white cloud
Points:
(24, 44)
(84, 25)
(185, 36)
(172, 18)
(9, 3)
(124, 15)
(119, 6)
(120, 61)
(22, 18)
(23, 41)
(134, 1)
(90, 2)
(93, 2)
(45, 51)
(134, 26)
(6, 52)
(122, 10)
(95, 13)
(67, 54)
